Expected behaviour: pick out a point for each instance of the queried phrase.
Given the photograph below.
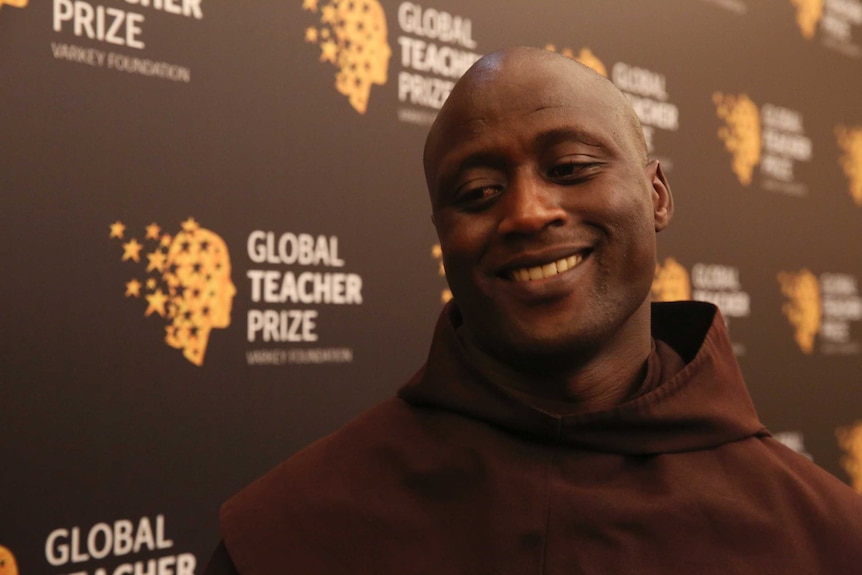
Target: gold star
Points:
(133, 288)
(310, 5)
(190, 225)
(153, 231)
(151, 283)
(327, 51)
(157, 303)
(117, 229)
(132, 250)
(166, 240)
(157, 261)
(328, 14)
(311, 34)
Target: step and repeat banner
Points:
(216, 241)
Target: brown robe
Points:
(458, 476)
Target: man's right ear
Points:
(662, 198)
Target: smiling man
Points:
(547, 207)
(562, 423)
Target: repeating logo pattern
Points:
(188, 284)
(353, 37)
(850, 142)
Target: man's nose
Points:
(529, 206)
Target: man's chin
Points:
(540, 350)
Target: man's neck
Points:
(597, 383)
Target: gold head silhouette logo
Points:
(741, 133)
(437, 254)
(671, 282)
(808, 14)
(850, 141)
(188, 283)
(14, 4)
(803, 308)
(7, 562)
(850, 441)
(352, 36)
(585, 57)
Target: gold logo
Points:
(14, 4)
(850, 141)
(803, 309)
(808, 14)
(585, 57)
(437, 254)
(352, 36)
(741, 133)
(671, 282)
(850, 441)
(7, 562)
(188, 283)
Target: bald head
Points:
(532, 79)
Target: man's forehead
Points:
(524, 78)
(514, 84)
(553, 94)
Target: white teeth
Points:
(547, 270)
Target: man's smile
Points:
(543, 271)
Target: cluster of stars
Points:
(808, 14)
(803, 309)
(189, 282)
(850, 141)
(352, 37)
(741, 132)
(156, 297)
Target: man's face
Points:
(545, 208)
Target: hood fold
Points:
(704, 405)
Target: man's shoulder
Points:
(319, 485)
(340, 456)
(370, 454)
(348, 489)
(822, 490)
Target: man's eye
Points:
(475, 198)
(571, 170)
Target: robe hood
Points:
(704, 405)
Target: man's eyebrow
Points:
(484, 159)
(567, 134)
